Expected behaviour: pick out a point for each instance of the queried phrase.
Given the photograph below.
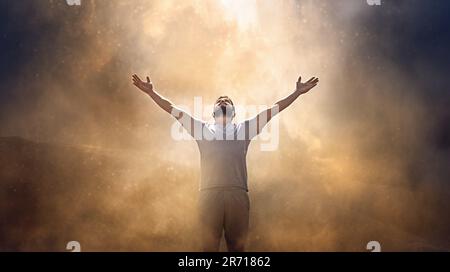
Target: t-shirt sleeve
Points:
(247, 130)
(192, 125)
(250, 127)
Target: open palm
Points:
(308, 85)
(146, 87)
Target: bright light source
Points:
(244, 13)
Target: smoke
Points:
(359, 158)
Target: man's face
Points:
(223, 110)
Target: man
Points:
(224, 203)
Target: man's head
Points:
(224, 110)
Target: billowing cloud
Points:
(362, 157)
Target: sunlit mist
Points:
(117, 180)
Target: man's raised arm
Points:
(147, 87)
(188, 122)
(260, 120)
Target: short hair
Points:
(226, 97)
(231, 102)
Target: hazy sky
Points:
(369, 147)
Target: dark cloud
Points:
(364, 158)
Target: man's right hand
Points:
(146, 87)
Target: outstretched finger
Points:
(312, 84)
(315, 81)
(148, 80)
(299, 79)
(310, 80)
(137, 78)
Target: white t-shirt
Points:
(223, 152)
